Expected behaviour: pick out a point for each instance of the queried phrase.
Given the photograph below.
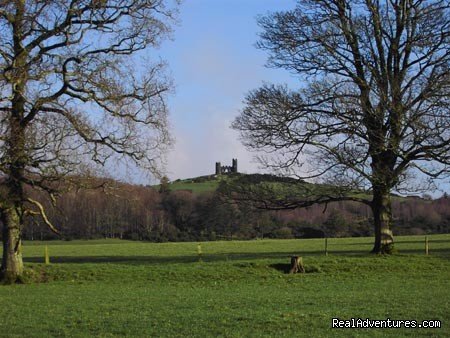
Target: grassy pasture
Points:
(111, 288)
(195, 187)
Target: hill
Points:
(197, 185)
(192, 211)
(210, 183)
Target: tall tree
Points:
(74, 88)
(372, 110)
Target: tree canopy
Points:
(372, 107)
(77, 86)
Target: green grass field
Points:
(237, 289)
(195, 187)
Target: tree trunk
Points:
(296, 265)
(12, 264)
(16, 157)
(382, 218)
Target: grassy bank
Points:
(234, 289)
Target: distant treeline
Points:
(144, 213)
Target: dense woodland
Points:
(147, 213)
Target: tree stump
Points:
(296, 265)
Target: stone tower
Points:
(227, 169)
(218, 168)
(234, 168)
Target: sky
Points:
(214, 63)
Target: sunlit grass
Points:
(238, 289)
(199, 187)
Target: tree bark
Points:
(297, 265)
(12, 264)
(382, 218)
(13, 205)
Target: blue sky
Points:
(214, 63)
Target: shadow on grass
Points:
(284, 268)
(332, 243)
(422, 241)
(134, 260)
(143, 260)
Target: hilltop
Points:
(192, 210)
(210, 183)
(200, 184)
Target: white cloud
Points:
(213, 78)
(214, 64)
(213, 141)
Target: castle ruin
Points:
(226, 169)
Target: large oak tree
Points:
(372, 109)
(77, 86)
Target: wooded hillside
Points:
(151, 213)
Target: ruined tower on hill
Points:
(227, 169)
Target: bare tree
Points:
(75, 88)
(372, 109)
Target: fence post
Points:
(326, 246)
(46, 256)
(199, 252)
(426, 245)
